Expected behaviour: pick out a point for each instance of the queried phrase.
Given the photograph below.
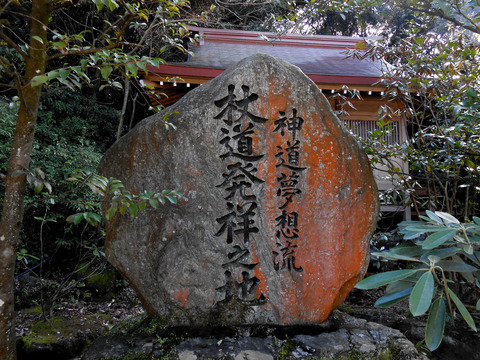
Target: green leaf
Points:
(38, 38)
(133, 210)
(391, 299)
(141, 65)
(111, 211)
(438, 238)
(385, 278)
(99, 4)
(154, 203)
(38, 189)
(423, 228)
(422, 294)
(39, 80)
(390, 255)
(433, 216)
(172, 199)
(154, 62)
(112, 5)
(407, 250)
(398, 285)
(75, 218)
(420, 40)
(106, 71)
(123, 208)
(447, 217)
(142, 205)
(477, 220)
(133, 68)
(456, 266)
(117, 85)
(93, 219)
(463, 310)
(435, 324)
(53, 75)
(441, 253)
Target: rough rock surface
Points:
(340, 337)
(279, 203)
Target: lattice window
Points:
(363, 127)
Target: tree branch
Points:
(441, 14)
(465, 16)
(12, 44)
(91, 50)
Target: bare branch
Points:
(12, 44)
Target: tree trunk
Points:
(15, 184)
(124, 108)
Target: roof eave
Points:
(202, 75)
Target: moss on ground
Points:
(48, 332)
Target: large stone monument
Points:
(278, 205)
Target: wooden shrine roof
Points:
(322, 58)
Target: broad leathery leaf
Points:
(447, 217)
(456, 266)
(390, 255)
(435, 324)
(39, 80)
(142, 205)
(385, 278)
(407, 250)
(476, 220)
(433, 216)
(438, 238)
(422, 294)
(478, 305)
(106, 71)
(424, 228)
(399, 285)
(391, 299)
(463, 310)
(410, 235)
(441, 253)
